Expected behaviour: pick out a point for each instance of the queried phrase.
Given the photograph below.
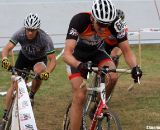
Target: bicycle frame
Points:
(102, 110)
(102, 104)
(101, 88)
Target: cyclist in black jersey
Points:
(85, 37)
(36, 48)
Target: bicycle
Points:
(20, 114)
(102, 110)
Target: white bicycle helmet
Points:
(103, 11)
(32, 21)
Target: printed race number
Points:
(119, 25)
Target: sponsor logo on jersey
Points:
(121, 34)
(119, 25)
(73, 32)
(93, 40)
(111, 37)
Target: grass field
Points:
(136, 109)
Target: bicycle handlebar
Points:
(106, 70)
(96, 69)
(24, 73)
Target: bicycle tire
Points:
(66, 120)
(109, 121)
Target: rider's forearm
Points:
(7, 49)
(51, 63)
(5, 52)
(68, 53)
(130, 59)
(128, 54)
(70, 60)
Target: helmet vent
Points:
(32, 21)
(103, 10)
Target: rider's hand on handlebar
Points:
(136, 73)
(6, 64)
(83, 69)
(44, 75)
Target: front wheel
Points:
(9, 114)
(109, 121)
(66, 120)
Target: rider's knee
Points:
(114, 77)
(79, 98)
(39, 67)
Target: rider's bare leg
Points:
(78, 100)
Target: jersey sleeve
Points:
(15, 38)
(77, 25)
(49, 45)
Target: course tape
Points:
(133, 33)
(150, 30)
(144, 30)
(3, 93)
(59, 55)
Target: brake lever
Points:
(130, 88)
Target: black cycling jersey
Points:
(81, 29)
(90, 43)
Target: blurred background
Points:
(56, 14)
(137, 109)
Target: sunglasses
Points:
(102, 24)
(31, 30)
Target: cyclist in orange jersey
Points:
(84, 42)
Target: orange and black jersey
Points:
(81, 29)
